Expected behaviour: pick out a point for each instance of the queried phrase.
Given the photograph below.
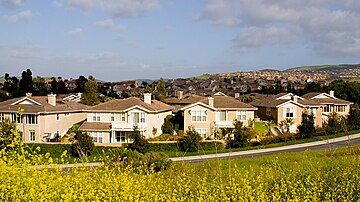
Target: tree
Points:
(8, 133)
(285, 125)
(83, 145)
(190, 142)
(335, 123)
(26, 82)
(241, 137)
(353, 118)
(53, 85)
(61, 87)
(307, 128)
(161, 90)
(89, 95)
(80, 84)
(139, 144)
(168, 127)
(39, 86)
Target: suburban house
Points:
(113, 121)
(287, 105)
(211, 113)
(42, 118)
(329, 104)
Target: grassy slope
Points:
(325, 67)
(261, 128)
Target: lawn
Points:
(261, 128)
(332, 175)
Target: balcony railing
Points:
(123, 126)
(224, 124)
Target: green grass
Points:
(261, 128)
(325, 67)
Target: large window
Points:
(138, 117)
(198, 116)
(2, 116)
(241, 115)
(327, 108)
(32, 136)
(222, 115)
(13, 117)
(268, 111)
(120, 136)
(96, 116)
(340, 108)
(96, 136)
(289, 113)
(31, 119)
(201, 131)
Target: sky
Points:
(116, 40)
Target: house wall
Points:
(297, 116)
(208, 125)
(261, 112)
(63, 124)
(233, 113)
(155, 121)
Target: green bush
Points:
(190, 142)
(139, 143)
(162, 147)
(241, 136)
(168, 126)
(157, 161)
(82, 146)
(180, 133)
(208, 146)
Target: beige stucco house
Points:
(42, 117)
(211, 113)
(287, 105)
(113, 121)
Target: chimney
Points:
(28, 94)
(237, 95)
(52, 99)
(332, 93)
(147, 98)
(295, 99)
(180, 94)
(211, 101)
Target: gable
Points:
(220, 94)
(199, 104)
(290, 103)
(323, 95)
(26, 101)
(289, 96)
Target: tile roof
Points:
(227, 102)
(45, 107)
(187, 99)
(124, 104)
(98, 126)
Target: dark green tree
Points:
(160, 90)
(139, 144)
(89, 96)
(168, 126)
(80, 84)
(241, 137)
(26, 82)
(306, 128)
(353, 118)
(40, 86)
(83, 145)
(61, 87)
(190, 142)
(53, 85)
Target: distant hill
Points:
(325, 67)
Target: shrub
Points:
(307, 128)
(83, 145)
(157, 161)
(214, 145)
(354, 117)
(139, 144)
(161, 147)
(8, 133)
(241, 136)
(168, 126)
(190, 142)
(180, 133)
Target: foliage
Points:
(168, 126)
(353, 118)
(307, 128)
(89, 96)
(139, 143)
(161, 90)
(8, 133)
(26, 82)
(190, 142)
(157, 161)
(285, 124)
(335, 124)
(83, 145)
(74, 128)
(241, 136)
(80, 84)
(154, 131)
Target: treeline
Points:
(14, 87)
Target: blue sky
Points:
(131, 39)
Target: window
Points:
(19, 118)
(120, 136)
(32, 136)
(31, 119)
(13, 117)
(241, 115)
(222, 115)
(138, 117)
(2, 116)
(112, 116)
(327, 108)
(96, 136)
(96, 116)
(201, 131)
(289, 113)
(268, 111)
(122, 117)
(340, 108)
(198, 116)
(57, 116)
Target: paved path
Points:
(350, 140)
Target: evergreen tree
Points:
(26, 82)
(139, 144)
(168, 127)
(39, 86)
(241, 137)
(53, 85)
(80, 84)
(307, 128)
(354, 117)
(161, 90)
(89, 95)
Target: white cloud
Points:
(11, 3)
(109, 24)
(119, 8)
(24, 16)
(307, 21)
(75, 32)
